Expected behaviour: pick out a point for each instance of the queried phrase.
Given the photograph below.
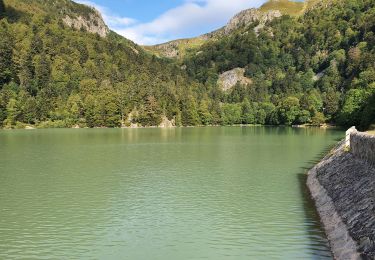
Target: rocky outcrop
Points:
(229, 79)
(169, 49)
(318, 76)
(94, 23)
(242, 19)
(130, 120)
(166, 123)
(343, 188)
(249, 16)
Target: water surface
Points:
(191, 193)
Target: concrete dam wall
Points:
(343, 188)
(362, 145)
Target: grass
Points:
(43, 7)
(183, 46)
(190, 43)
(288, 7)
(371, 132)
(284, 6)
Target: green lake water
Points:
(185, 193)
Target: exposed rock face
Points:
(166, 123)
(134, 50)
(318, 76)
(343, 187)
(130, 119)
(244, 18)
(93, 24)
(169, 49)
(229, 79)
(249, 16)
(129, 122)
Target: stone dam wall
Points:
(362, 145)
(343, 188)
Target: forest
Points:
(312, 69)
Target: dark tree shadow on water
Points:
(318, 241)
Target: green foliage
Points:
(289, 110)
(52, 73)
(323, 58)
(368, 114)
(309, 69)
(231, 114)
(11, 112)
(318, 119)
(190, 114)
(149, 114)
(2, 8)
(248, 112)
(285, 6)
(6, 53)
(204, 112)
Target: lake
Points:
(184, 193)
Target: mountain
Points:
(293, 62)
(286, 7)
(267, 12)
(72, 14)
(285, 63)
(61, 66)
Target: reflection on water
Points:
(192, 193)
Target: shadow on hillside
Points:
(14, 15)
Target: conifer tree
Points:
(6, 53)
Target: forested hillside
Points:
(316, 67)
(52, 75)
(60, 66)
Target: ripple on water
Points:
(209, 193)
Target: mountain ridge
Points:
(75, 15)
(301, 69)
(266, 13)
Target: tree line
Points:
(308, 70)
(315, 68)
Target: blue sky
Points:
(150, 22)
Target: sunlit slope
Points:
(284, 6)
(178, 48)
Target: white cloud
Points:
(110, 18)
(184, 20)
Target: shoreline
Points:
(336, 231)
(32, 127)
(342, 186)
